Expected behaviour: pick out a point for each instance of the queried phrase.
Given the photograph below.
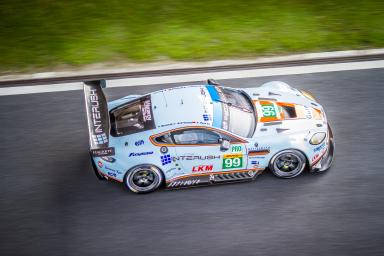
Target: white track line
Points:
(221, 75)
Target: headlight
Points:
(308, 95)
(317, 138)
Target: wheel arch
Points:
(143, 165)
(306, 168)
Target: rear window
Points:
(132, 117)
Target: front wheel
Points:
(287, 163)
(143, 179)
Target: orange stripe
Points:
(285, 104)
(317, 114)
(269, 119)
(258, 153)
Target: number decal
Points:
(268, 110)
(232, 161)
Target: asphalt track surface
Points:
(52, 204)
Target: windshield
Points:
(238, 112)
(132, 117)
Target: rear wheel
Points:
(287, 163)
(143, 179)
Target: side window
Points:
(164, 139)
(195, 136)
(228, 138)
(133, 117)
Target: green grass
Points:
(43, 34)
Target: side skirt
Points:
(213, 178)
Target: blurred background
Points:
(50, 201)
(42, 35)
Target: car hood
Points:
(283, 109)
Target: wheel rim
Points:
(143, 180)
(287, 165)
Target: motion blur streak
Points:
(51, 203)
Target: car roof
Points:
(186, 105)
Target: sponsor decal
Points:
(186, 123)
(147, 116)
(206, 117)
(316, 157)
(100, 164)
(308, 112)
(95, 109)
(99, 139)
(319, 152)
(258, 151)
(256, 157)
(259, 148)
(141, 153)
(139, 143)
(202, 168)
(181, 183)
(164, 150)
(255, 162)
(108, 159)
(232, 161)
(97, 115)
(268, 110)
(113, 170)
(319, 148)
(112, 174)
(236, 148)
(103, 152)
(192, 157)
(165, 159)
(206, 103)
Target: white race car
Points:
(206, 134)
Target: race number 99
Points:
(268, 110)
(232, 161)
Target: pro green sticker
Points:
(236, 148)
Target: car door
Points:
(198, 151)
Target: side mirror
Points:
(224, 144)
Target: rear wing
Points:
(98, 118)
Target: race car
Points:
(205, 135)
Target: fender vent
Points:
(289, 112)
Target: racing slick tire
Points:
(143, 178)
(287, 163)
